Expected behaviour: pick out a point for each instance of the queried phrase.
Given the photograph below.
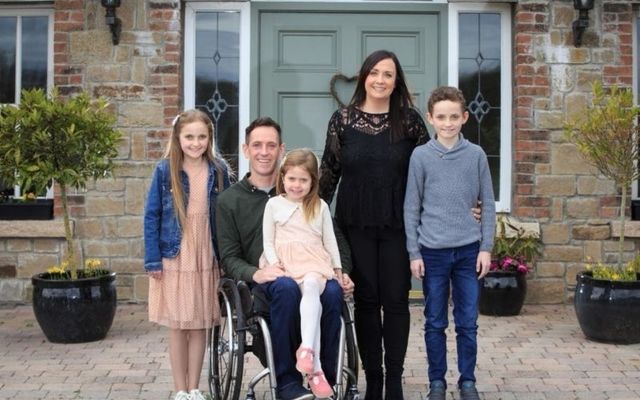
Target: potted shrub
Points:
(66, 141)
(504, 288)
(607, 297)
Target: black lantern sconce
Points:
(579, 25)
(115, 24)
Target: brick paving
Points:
(538, 355)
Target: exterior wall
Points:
(553, 185)
(142, 78)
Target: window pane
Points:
(34, 52)
(217, 76)
(479, 79)
(7, 59)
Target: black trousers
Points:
(382, 281)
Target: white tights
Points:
(310, 313)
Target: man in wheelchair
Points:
(239, 225)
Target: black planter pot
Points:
(502, 293)
(74, 311)
(40, 209)
(608, 311)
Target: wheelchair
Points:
(244, 328)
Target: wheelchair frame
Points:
(227, 344)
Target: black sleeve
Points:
(330, 167)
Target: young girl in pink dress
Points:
(180, 242)
(299, 238)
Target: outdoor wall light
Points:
(579, 25)
(115, 24)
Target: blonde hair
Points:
(176, 157)
(305, 159)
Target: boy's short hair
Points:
(444, 93)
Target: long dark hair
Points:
(400, 102)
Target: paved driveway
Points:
(540, 354)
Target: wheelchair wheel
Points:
(352, 360)
(226, 345)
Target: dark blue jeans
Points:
(456, 268)
(284, 297)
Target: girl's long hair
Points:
(305, 159)
(400, 102)
(176, 157)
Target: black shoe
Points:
(374, 385)
(468, 391)
(292, 391)
(437, 391)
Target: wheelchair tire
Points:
(351, 370)
(226, 345)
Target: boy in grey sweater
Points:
(447, 246)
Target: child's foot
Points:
(304, 360)
(468, 391)
(319, 385)
(437, 391)
(195, 394)
(182, 395)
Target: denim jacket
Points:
(162, 233)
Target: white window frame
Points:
(506, 101)
(36, 11)
(244, 99)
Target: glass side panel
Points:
(217, 76)
(479, 79)
(34, 52)
(7, 59)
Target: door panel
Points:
(299, 53)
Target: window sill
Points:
(33, 229)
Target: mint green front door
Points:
(300, 51)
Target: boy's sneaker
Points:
(182, 395)
(468, 391)
(195, 394)
(437, 391)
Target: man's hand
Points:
(417, 268)
(477, 212)
(268, 274)
(482, 264)
(347, 285)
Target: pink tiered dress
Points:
(185, 296)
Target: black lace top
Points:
(373, 169)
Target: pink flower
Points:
(523, 269)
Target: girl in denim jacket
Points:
(180, 245)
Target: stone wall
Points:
(553, 184)
(142, 78)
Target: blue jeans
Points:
(456, 268)
(284, 297)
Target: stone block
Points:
(555, 185)
(134, 170)
(631, 229)
(591, 232)
(104, 206)
(566, 160)
(135, 196)
(563, 15)
(90, 228)
(555, 233)
(8, 271)
(563, 77)
(127, 91)
(549, 270)
(46, 245)
(18, 245)
(573, 269)
(563, 253)
(545, 291)
(127, 265)
(90, 47)
(31, 229)
(549, 119)
(103, 73)
(591, 185)
(141, 287)
(138, 145)
(124, 293)
(141, 114)
(575, 105)
(12, 290)
(136, 247)
(34, 263)
(593, 250)
(582, 207)
(115, 248)
(129, 227)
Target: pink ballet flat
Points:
(319, 385)
(304, 360)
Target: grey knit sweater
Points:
(443, 185)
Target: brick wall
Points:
(553, 185)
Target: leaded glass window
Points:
(217, 75)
